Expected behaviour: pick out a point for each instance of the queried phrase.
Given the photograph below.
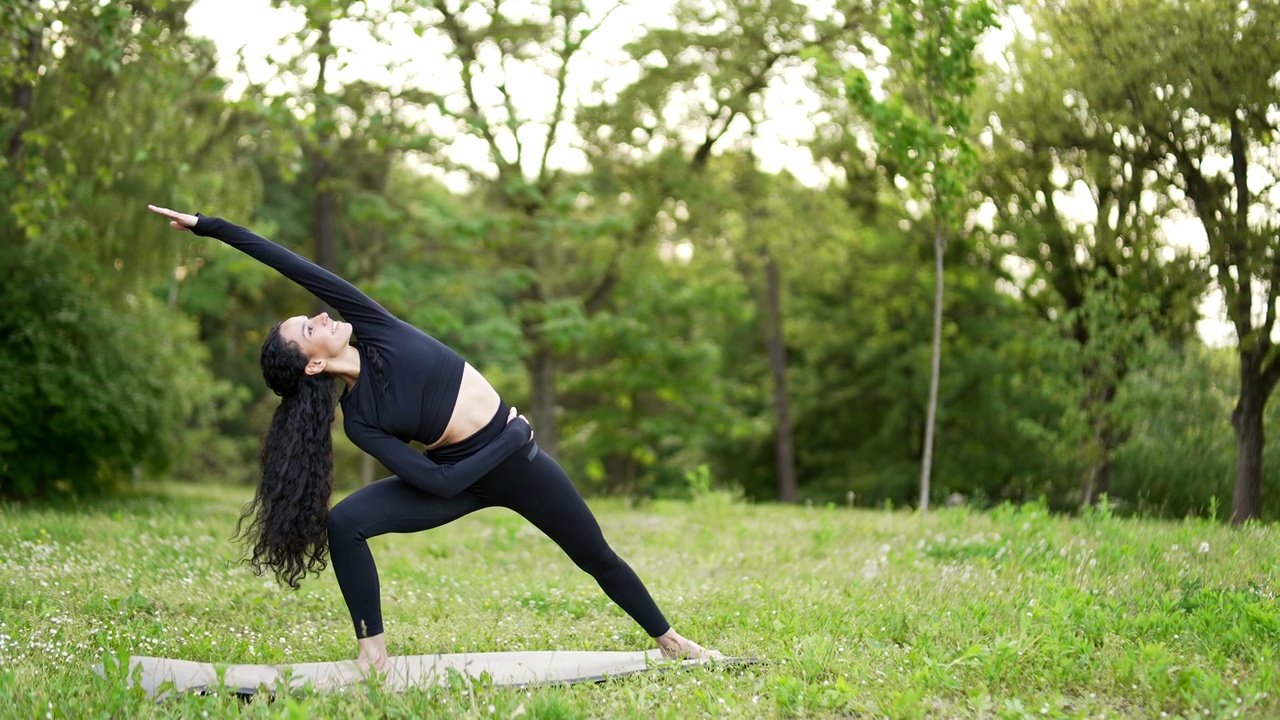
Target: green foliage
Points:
(921, 119)
(639, 425)
(1197, 109)
(214, 444)
(1069, 335)
(92, 390)
(860, 403)
(124, 104)
(111, 103)
(1179, 457)
(1095, 347)
(1078, 209)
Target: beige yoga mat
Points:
(504, 669)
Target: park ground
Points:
(1007, 613)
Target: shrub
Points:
(95, 387)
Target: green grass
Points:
(1011, 613)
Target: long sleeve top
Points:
(422, 375)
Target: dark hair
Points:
(290, 510)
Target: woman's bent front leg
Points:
(390, 505)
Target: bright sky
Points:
(257, 31)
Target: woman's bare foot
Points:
(373, 654)
(676, 647)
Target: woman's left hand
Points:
(177, 220)
(514, 414)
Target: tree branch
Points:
(571, 47)
(645, 215)
(467, 53)
(513, 120)
(755, 83)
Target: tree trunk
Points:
(23, 89)
(788, 484)
(542, 381)
(1096, 481)
(326, 203)
(1246, 419)
(1097, 477)
(325, 212)
(619, 473)
(935, 373)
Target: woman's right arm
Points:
(355, 306)
(420, 471)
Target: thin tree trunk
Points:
(1246, 419)
(326, 203)
(326, 211)
(542, 377)
(788, 484)
(621, 467)
(935, 374)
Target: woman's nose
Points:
(324, 318)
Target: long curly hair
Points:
(289, 513)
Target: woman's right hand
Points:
(177, 220)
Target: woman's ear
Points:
(315, 366)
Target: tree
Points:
(1174, 75)
(91, 391)
(702, 91)
(653, 386)
(569, 231)
(338, 142)
(920, 121)
(109, 102)
(764, 224)
(1079, 207)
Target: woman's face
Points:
(319, 337)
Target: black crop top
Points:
(422, 374)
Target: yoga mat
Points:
(504, 669)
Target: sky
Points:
(256, 31)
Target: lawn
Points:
(859, 613)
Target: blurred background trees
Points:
(673, 233)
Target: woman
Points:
(400, 385)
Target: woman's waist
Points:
(454, 452)
(473, 407)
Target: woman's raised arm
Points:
(356, 307)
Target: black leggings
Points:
(537, 488)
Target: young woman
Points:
(400, 385)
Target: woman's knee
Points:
(597, 560)
(344, 522)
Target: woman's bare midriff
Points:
(477, 402)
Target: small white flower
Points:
(1204, 547)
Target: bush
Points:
(94, 389)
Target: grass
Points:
(1004, 614)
